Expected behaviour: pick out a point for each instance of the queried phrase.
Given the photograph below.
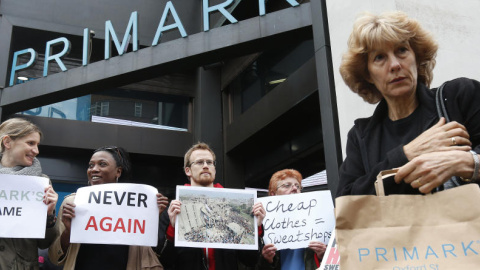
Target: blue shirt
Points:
(292, 259)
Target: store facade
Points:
(251, 78)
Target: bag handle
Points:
(379, 188)
(440, 103)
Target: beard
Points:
(203, 179)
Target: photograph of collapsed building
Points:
(221, 217)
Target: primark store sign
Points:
(131, 33)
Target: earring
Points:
(117, 179)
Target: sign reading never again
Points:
(116, 213)
(132, 28)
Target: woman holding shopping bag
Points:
(390, 61)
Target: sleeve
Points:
(55, 252)
(262, 263)
(250, 258)
(166, 248)
(50, 233)
(355, 179)
(465, 108)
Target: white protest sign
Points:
(292, 221)
(23, 214)
(114, 213)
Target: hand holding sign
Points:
(50, 199)
(162, 202)
(173, 211)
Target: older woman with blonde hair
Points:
(390, 61)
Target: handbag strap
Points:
(442, 112)
(379, 187)
(440, 102)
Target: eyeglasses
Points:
(289, 186)
(200, 162)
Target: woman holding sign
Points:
(286, 182)
(108, 164)
(19, 148)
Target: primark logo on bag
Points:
(419, 257)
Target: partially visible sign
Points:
(116, 214)
(23, 214)
(292, 221)
(331, 258)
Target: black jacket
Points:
(362, 164)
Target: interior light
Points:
(277, 81)
(22, 78)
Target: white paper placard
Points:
(216, 218)
(23, 214)
(114, 213)
(292, 221)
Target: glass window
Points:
(269, 70)
(138, 109)
(121, 107)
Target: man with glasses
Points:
(199, 166)
(286, 182)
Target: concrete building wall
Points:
(454, 24)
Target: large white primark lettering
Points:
(132, 27)
(415, 253)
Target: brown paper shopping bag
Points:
(404, 232)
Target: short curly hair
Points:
(282, 175)
(374, 31)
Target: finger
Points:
(427, 188)
(403, 172)
(417, 183)
(440, 122)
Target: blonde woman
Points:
(19, 148)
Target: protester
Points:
(18, 150)
(390, 59)
(286, 182)
(199, 166)
(108, 164)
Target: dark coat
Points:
(362, 164)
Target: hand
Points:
(268, 252)
(162, 202)
(318, 247)
(50, 199)
(174, 210)
(67, 214)
(438, 138)
(431, 170)
(259, 212)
